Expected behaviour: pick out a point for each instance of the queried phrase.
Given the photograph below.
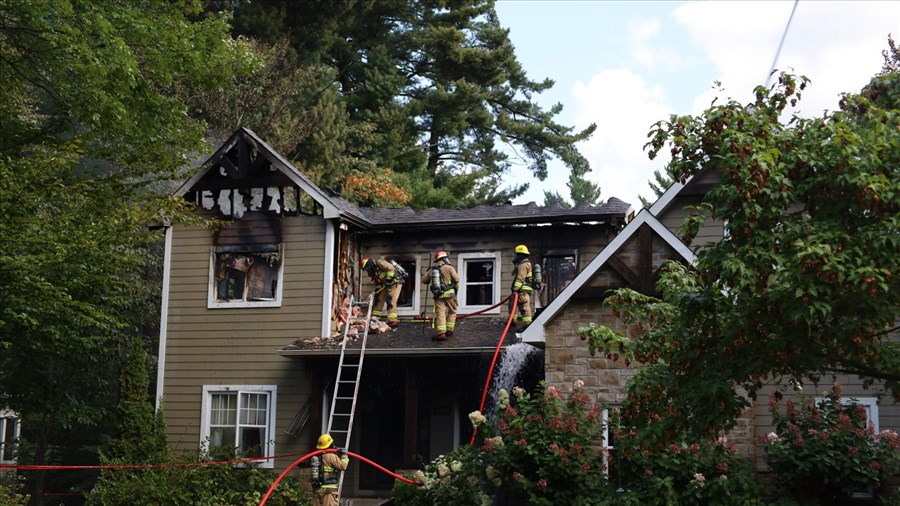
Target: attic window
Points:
(246, 275)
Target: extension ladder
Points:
(346, 385)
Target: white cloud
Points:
(624, 107)
(836, 44)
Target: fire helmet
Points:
(522, 249)
(439, 255)
(325, 441)
(363, 261)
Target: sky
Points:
(625, 65)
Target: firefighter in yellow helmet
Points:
(522, 283)
(443, 281)
(387, 288)
(325, 485)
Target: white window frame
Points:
(417, 286)
(271, 391)
(7, 417)
(212, 300)
(870, 403)
(461, 259)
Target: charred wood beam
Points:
(279, 180)
(645, 259)
(623, 270)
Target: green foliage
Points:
(802, 284)
(434, 86)
(543, 451)
(703, 472)
(11, 494)
(92, 122)
(185, 482)
(827, 450)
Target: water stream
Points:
(514, 360)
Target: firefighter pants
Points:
(325, 497)
(445, 314)
(387, 295)
(524, 306)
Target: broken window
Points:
(248, 274)
(557, 271)
(239, 417)
(408, 302)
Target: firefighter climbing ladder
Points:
(346, 386)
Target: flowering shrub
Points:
(543, 451)
(704, 472)
(827, 451)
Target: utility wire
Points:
(781, 44)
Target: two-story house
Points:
(251, 305)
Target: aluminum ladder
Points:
(346, 383)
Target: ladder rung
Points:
(344, 398)
(342, 414)
(333, 431)
(346, 381)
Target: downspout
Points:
(163, 318)
(328, 278)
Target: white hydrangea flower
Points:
(772, 437)
(578, 384)
(518, 391)
(443, 470)
(490, 472)
(456, 466)
(419, 477)
(477, 418)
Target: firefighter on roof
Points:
(443, 281)
(387, 287)
(523, 283)
(327, 474)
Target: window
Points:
(240, 417)
(243, 276)
(479, 280)
(557, 271)
(9, 436)
(408, 302)
(869, 403)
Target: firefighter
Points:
(325, 485)
(387, 288)
(443, 281)
(523, 283)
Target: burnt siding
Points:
(586, 241)
(237, 345)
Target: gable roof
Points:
(614, 211)
(245, 135)
(535, 332)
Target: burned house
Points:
(253, 310)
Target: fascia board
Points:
(535, 332)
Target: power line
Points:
(781, 44)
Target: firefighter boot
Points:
(440, 337)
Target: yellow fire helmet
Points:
(522, 249)
(325, 441)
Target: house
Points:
(250, 306)
(247, 357)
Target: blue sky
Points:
(625, 65)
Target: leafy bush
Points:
(543, 451)
(11, 493)
(827, 451)
(187, 483)
(695, 473)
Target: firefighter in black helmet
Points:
(522, 283)
(443, 281)
(325, 486)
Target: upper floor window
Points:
(479, 281)
(246, 275)
(240, 417)
(408, 302)
(557, 271)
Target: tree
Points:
(437, 86)
(91, 122)
(802, 285)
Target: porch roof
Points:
(473, 336)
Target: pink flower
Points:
(648, 472)
(542, 483)
(586, 467)
(523, 443)
(517, 476)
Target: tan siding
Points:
(237, 345)
(675, 215)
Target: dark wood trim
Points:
(623, 270)
(645, 259)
